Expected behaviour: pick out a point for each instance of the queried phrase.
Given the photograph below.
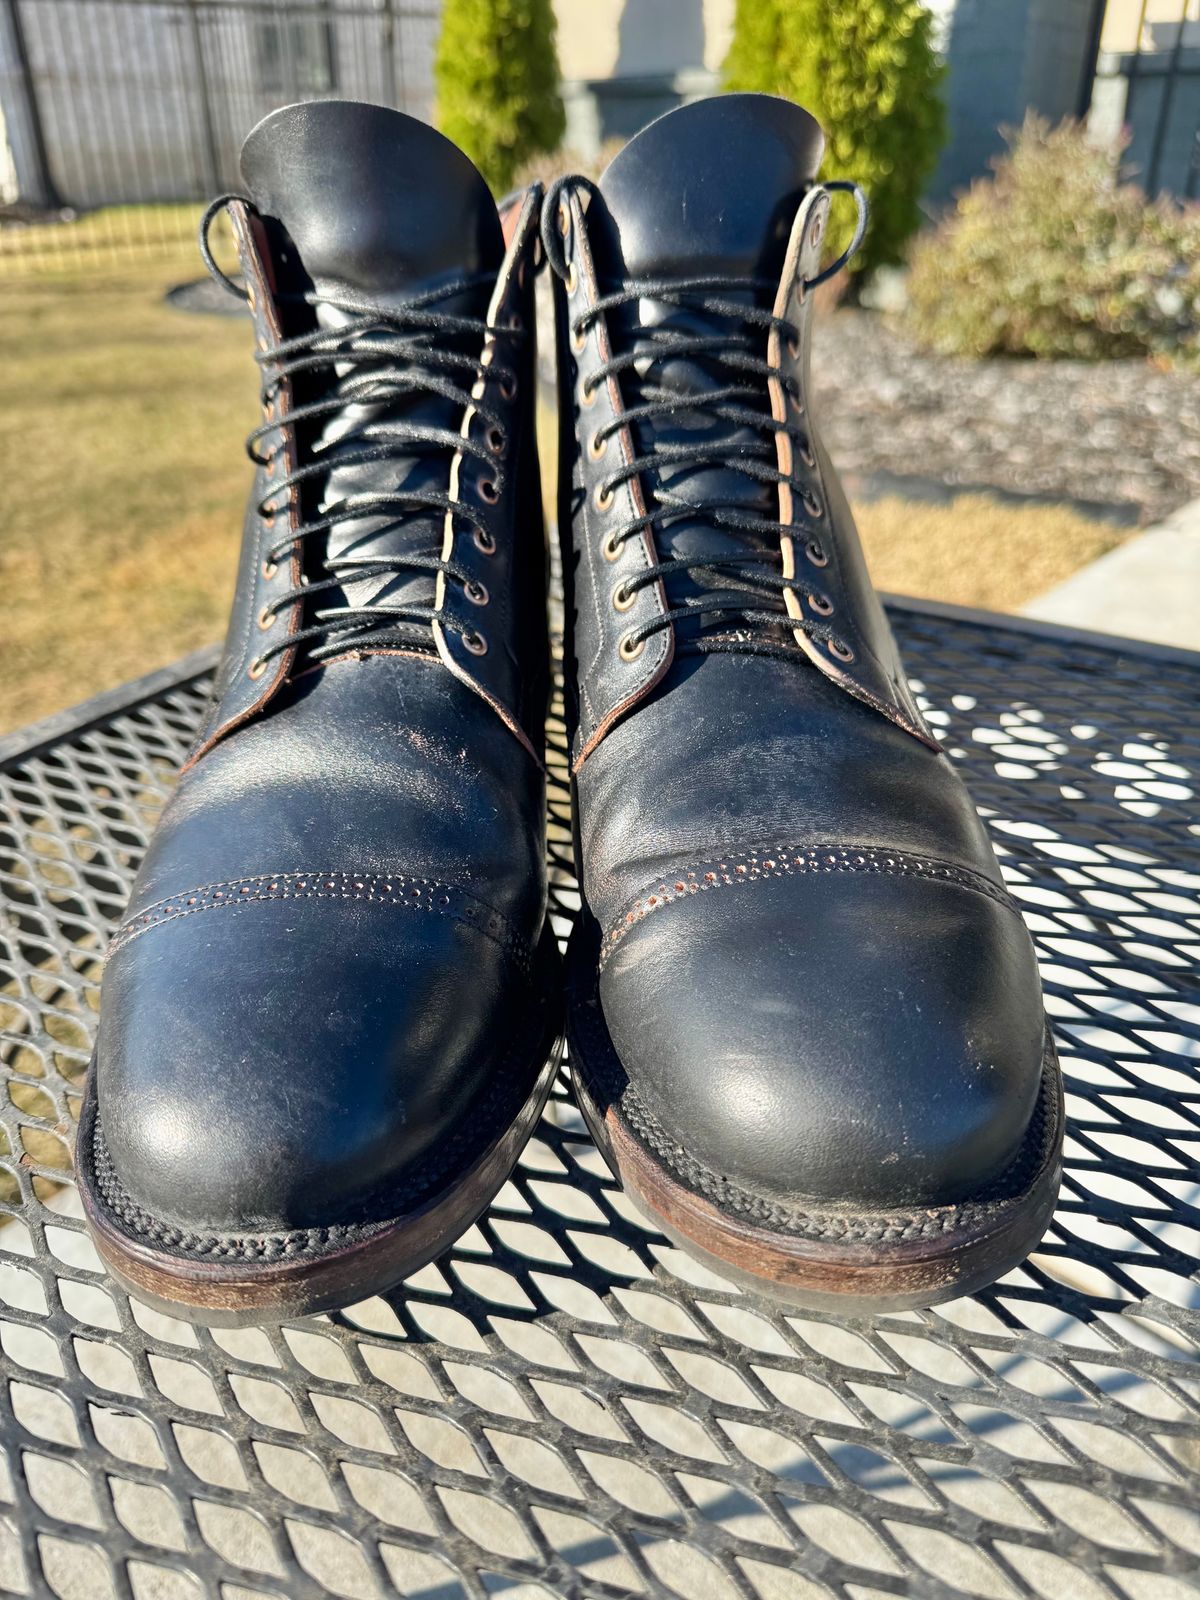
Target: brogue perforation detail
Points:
(382, 888)
(730, 870)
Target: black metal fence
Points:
(146, 102)
(1149, 82)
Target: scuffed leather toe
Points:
(276, 1057)
(853, 1037)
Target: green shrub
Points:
(497, 83)
(1055, 256)
(867, 71)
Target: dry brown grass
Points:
(976, 550)
(121, 429)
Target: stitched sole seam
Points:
(497, 1108)
(896, 1225)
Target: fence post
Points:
(389, 54)
(47, 192)
(212, 161)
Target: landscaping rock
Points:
(1116, 432)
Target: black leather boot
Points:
(805, 1022)
(329, 1020)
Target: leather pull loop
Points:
(212, 212)
(844, 186)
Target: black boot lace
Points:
(710, 355)
(379, 358)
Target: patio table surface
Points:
(567, 1405)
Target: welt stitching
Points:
(834, 1223)
(771, 864)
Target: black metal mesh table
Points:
(567, 1406)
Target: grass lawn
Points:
(121, 429)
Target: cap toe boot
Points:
(805, 1019)
(329, 1019)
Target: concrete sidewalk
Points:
(1147, 588)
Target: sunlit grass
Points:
(121, 429)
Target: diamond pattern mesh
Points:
(567, 1406)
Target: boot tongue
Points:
(379, 206)
(372, 199)
(711, 188)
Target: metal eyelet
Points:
(822, 607)
(597, 445)
(796, 403)
(516, 322)
(256, 669)
(611, 549)
(793, 348)
(267, 618)
(478, 595)
(485, 542)
(488, 490)
(564, 218)
(269, 569)
(623, 599)
(508, 387)
(630, 648)
(587, 397)
(818, 228)
(816, 554)
(804, 451)
(811, 504)
(842, 651)
(604, 497)
(269, 467)
(572, 279)
(497, 441)
(475, 643)
(578, 341)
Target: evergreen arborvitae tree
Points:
(867, 71)
(497, 83)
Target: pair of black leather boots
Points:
(804, 1016)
